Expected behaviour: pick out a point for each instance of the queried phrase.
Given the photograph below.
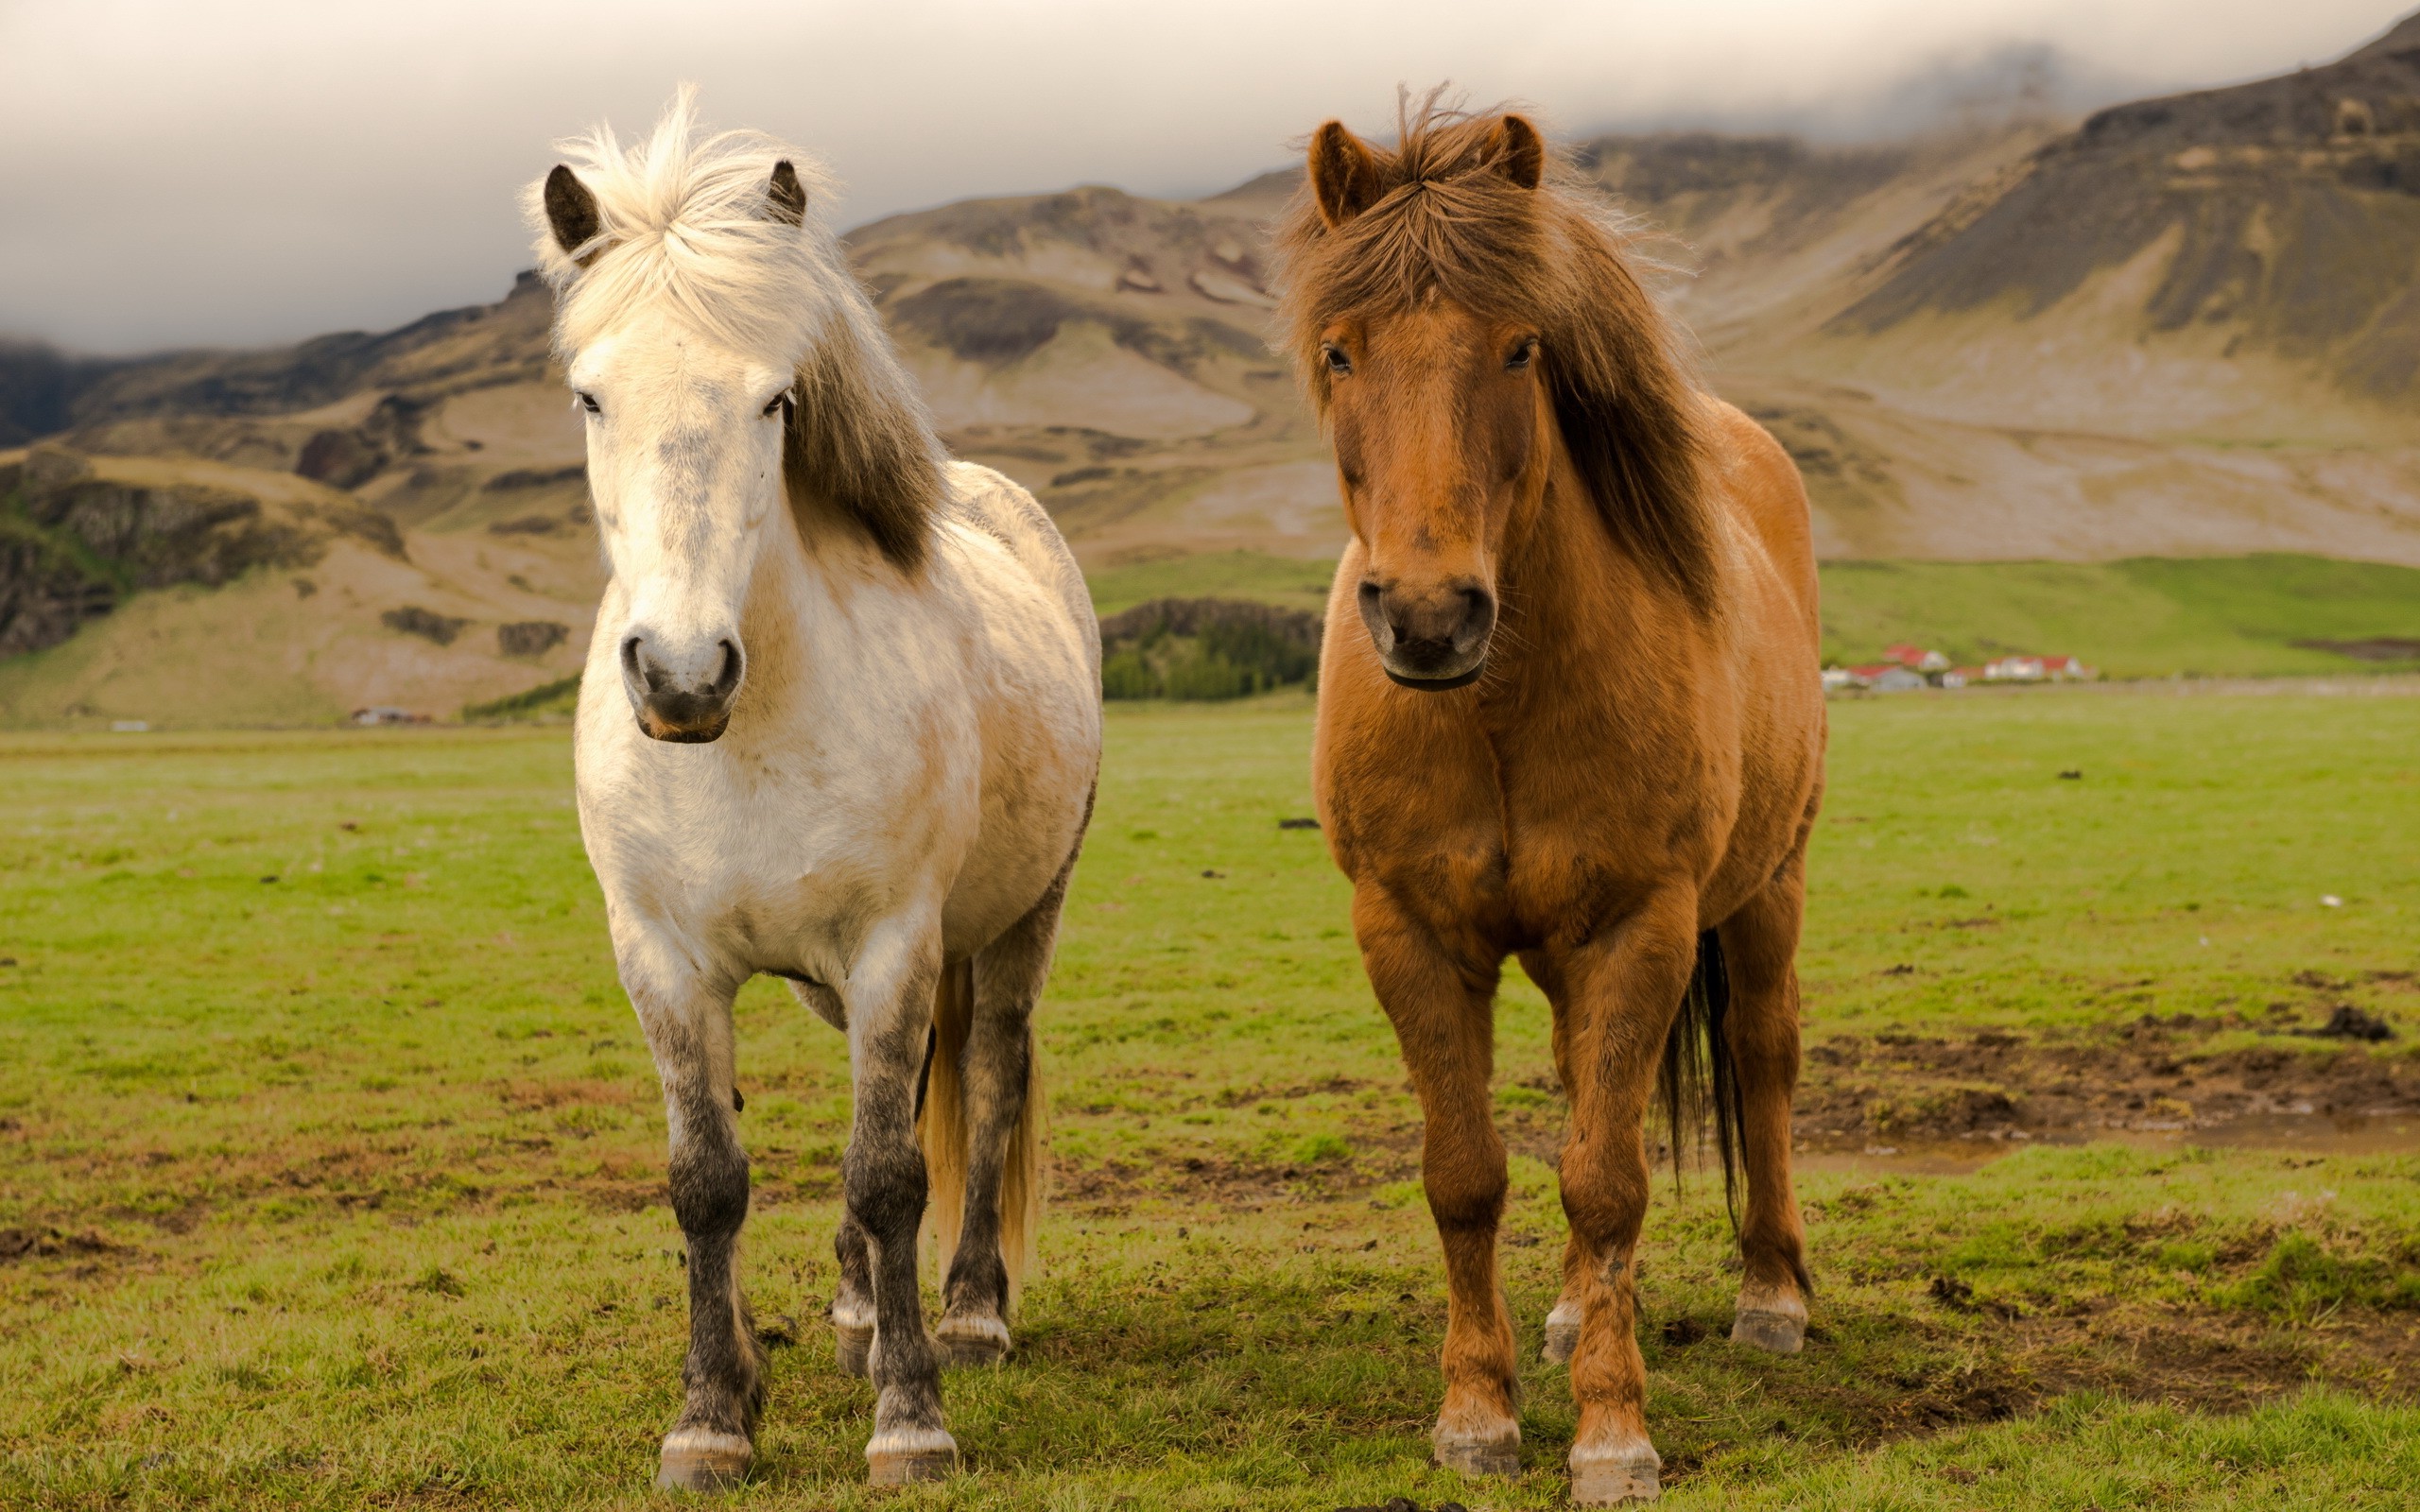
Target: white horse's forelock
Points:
(685, 220)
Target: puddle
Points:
(2308, 1134)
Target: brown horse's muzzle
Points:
(1431, 638)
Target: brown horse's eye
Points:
(1338, 362)
(1522, 356)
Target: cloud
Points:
(216, 173)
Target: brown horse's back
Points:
(1761, 486)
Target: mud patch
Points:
(1219, 1183)
(2158, 1075)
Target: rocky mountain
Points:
(2185, 326)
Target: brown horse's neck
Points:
(1576, 605)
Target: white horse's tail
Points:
(944, 1130)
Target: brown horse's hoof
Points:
(851, 1347)
(1562, 1332)
(1610, 1480)
(905, 1457)
(971, 1341)
(1477, 1457)
(1774, 1332)
(701, 1460)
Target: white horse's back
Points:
(996, 505)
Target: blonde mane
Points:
(685, 232)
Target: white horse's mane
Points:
(684, 219)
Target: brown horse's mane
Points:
(1445, 219)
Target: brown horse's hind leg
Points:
(1624, 990)
(1760, 948)
(1443, 1014)
(1563, 1322)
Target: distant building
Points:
(387, 716)
(2039, 669)
(1917, 657)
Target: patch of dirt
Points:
(2156, 1075)
(1220, 1183)
(17, 1244)
(2373, 649)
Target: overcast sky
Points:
(199, 172)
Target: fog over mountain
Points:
(216, 173)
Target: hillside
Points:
(2183, 327)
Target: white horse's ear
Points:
(787, 196)
(571, 211)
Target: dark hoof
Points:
(971, 1341)
(851, 1347)
(701, 1460)
(1605, 1479)
(1609, 1482)
(1499, 1456)
(1563, 1333)
(1774, 1332)
(904, 1458)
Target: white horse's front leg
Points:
(890, 996)
(685, 1011)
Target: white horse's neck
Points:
(819, 593)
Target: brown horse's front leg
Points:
(1624, 989)
(1563, 1322)
(1444, 1013)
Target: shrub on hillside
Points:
(1206, 649)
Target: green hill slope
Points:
(2142, 617)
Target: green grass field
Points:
(334, 1157)
(2144, 617)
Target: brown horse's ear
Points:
(1344, 177)
(571, 210)
(787, 195)
(1518, 151)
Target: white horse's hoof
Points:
(1623, 1475)
(1774, 1332)
(913, 1455)
(700, 1459)
(1562, 1332)
(1480, 1457)
(852, 1339)
(971, 1341)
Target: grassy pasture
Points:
(333, 1159)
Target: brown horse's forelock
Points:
(1445, 223)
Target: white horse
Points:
(841, 723)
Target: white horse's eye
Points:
(779, 405)
(588, 403)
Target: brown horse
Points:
(1570, 710)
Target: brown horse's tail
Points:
(1698, 1070)
(941, 1128)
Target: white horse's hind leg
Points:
(689, 1032)
(852, 1313)
(1002, 1184)
(882, 1179)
